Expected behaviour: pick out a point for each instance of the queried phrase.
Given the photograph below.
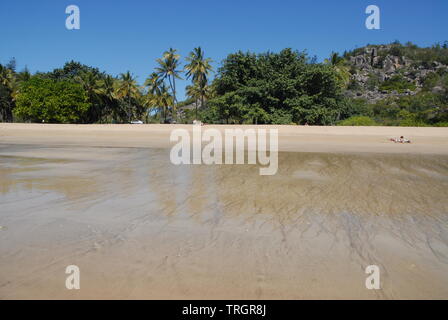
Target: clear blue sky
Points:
(117, 36)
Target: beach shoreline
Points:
(332, 139)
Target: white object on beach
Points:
(137, 122)
(400, 140)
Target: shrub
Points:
(397, 83)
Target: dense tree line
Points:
(77, 93)
(287, 87)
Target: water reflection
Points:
(368, 185)
(319, 211)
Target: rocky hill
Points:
(381, 71)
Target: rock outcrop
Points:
(371, 66)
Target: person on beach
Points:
(400, 140)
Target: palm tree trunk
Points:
(202, 101)
(173, 90)
(129, 108)
(196, 110)
(174, 97)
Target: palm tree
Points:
(152, 98)
(168, 69)
(198, 69)
(127, 88)
(10, 87)
(200, 90)
(107, 87)
(166, 99)
(6, 76)
(153, 82)
(91, 84)
(107, 92)
(160, 99)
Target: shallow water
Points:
(139, 227)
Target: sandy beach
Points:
(107, 199)
(291, 138)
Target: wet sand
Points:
(139, 227)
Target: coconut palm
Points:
(198, 69)
(127, 89)
(166, 99)
(160, 99)
(9, 88)
(106, 91)
(90, 83)
(199, 91)
(153, 82)
(107, 87)
(6, 76)
(168, 69)
(152, 98)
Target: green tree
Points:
(71, 70)
(51, 101)
(279, 88)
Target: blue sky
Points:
(117, 36)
